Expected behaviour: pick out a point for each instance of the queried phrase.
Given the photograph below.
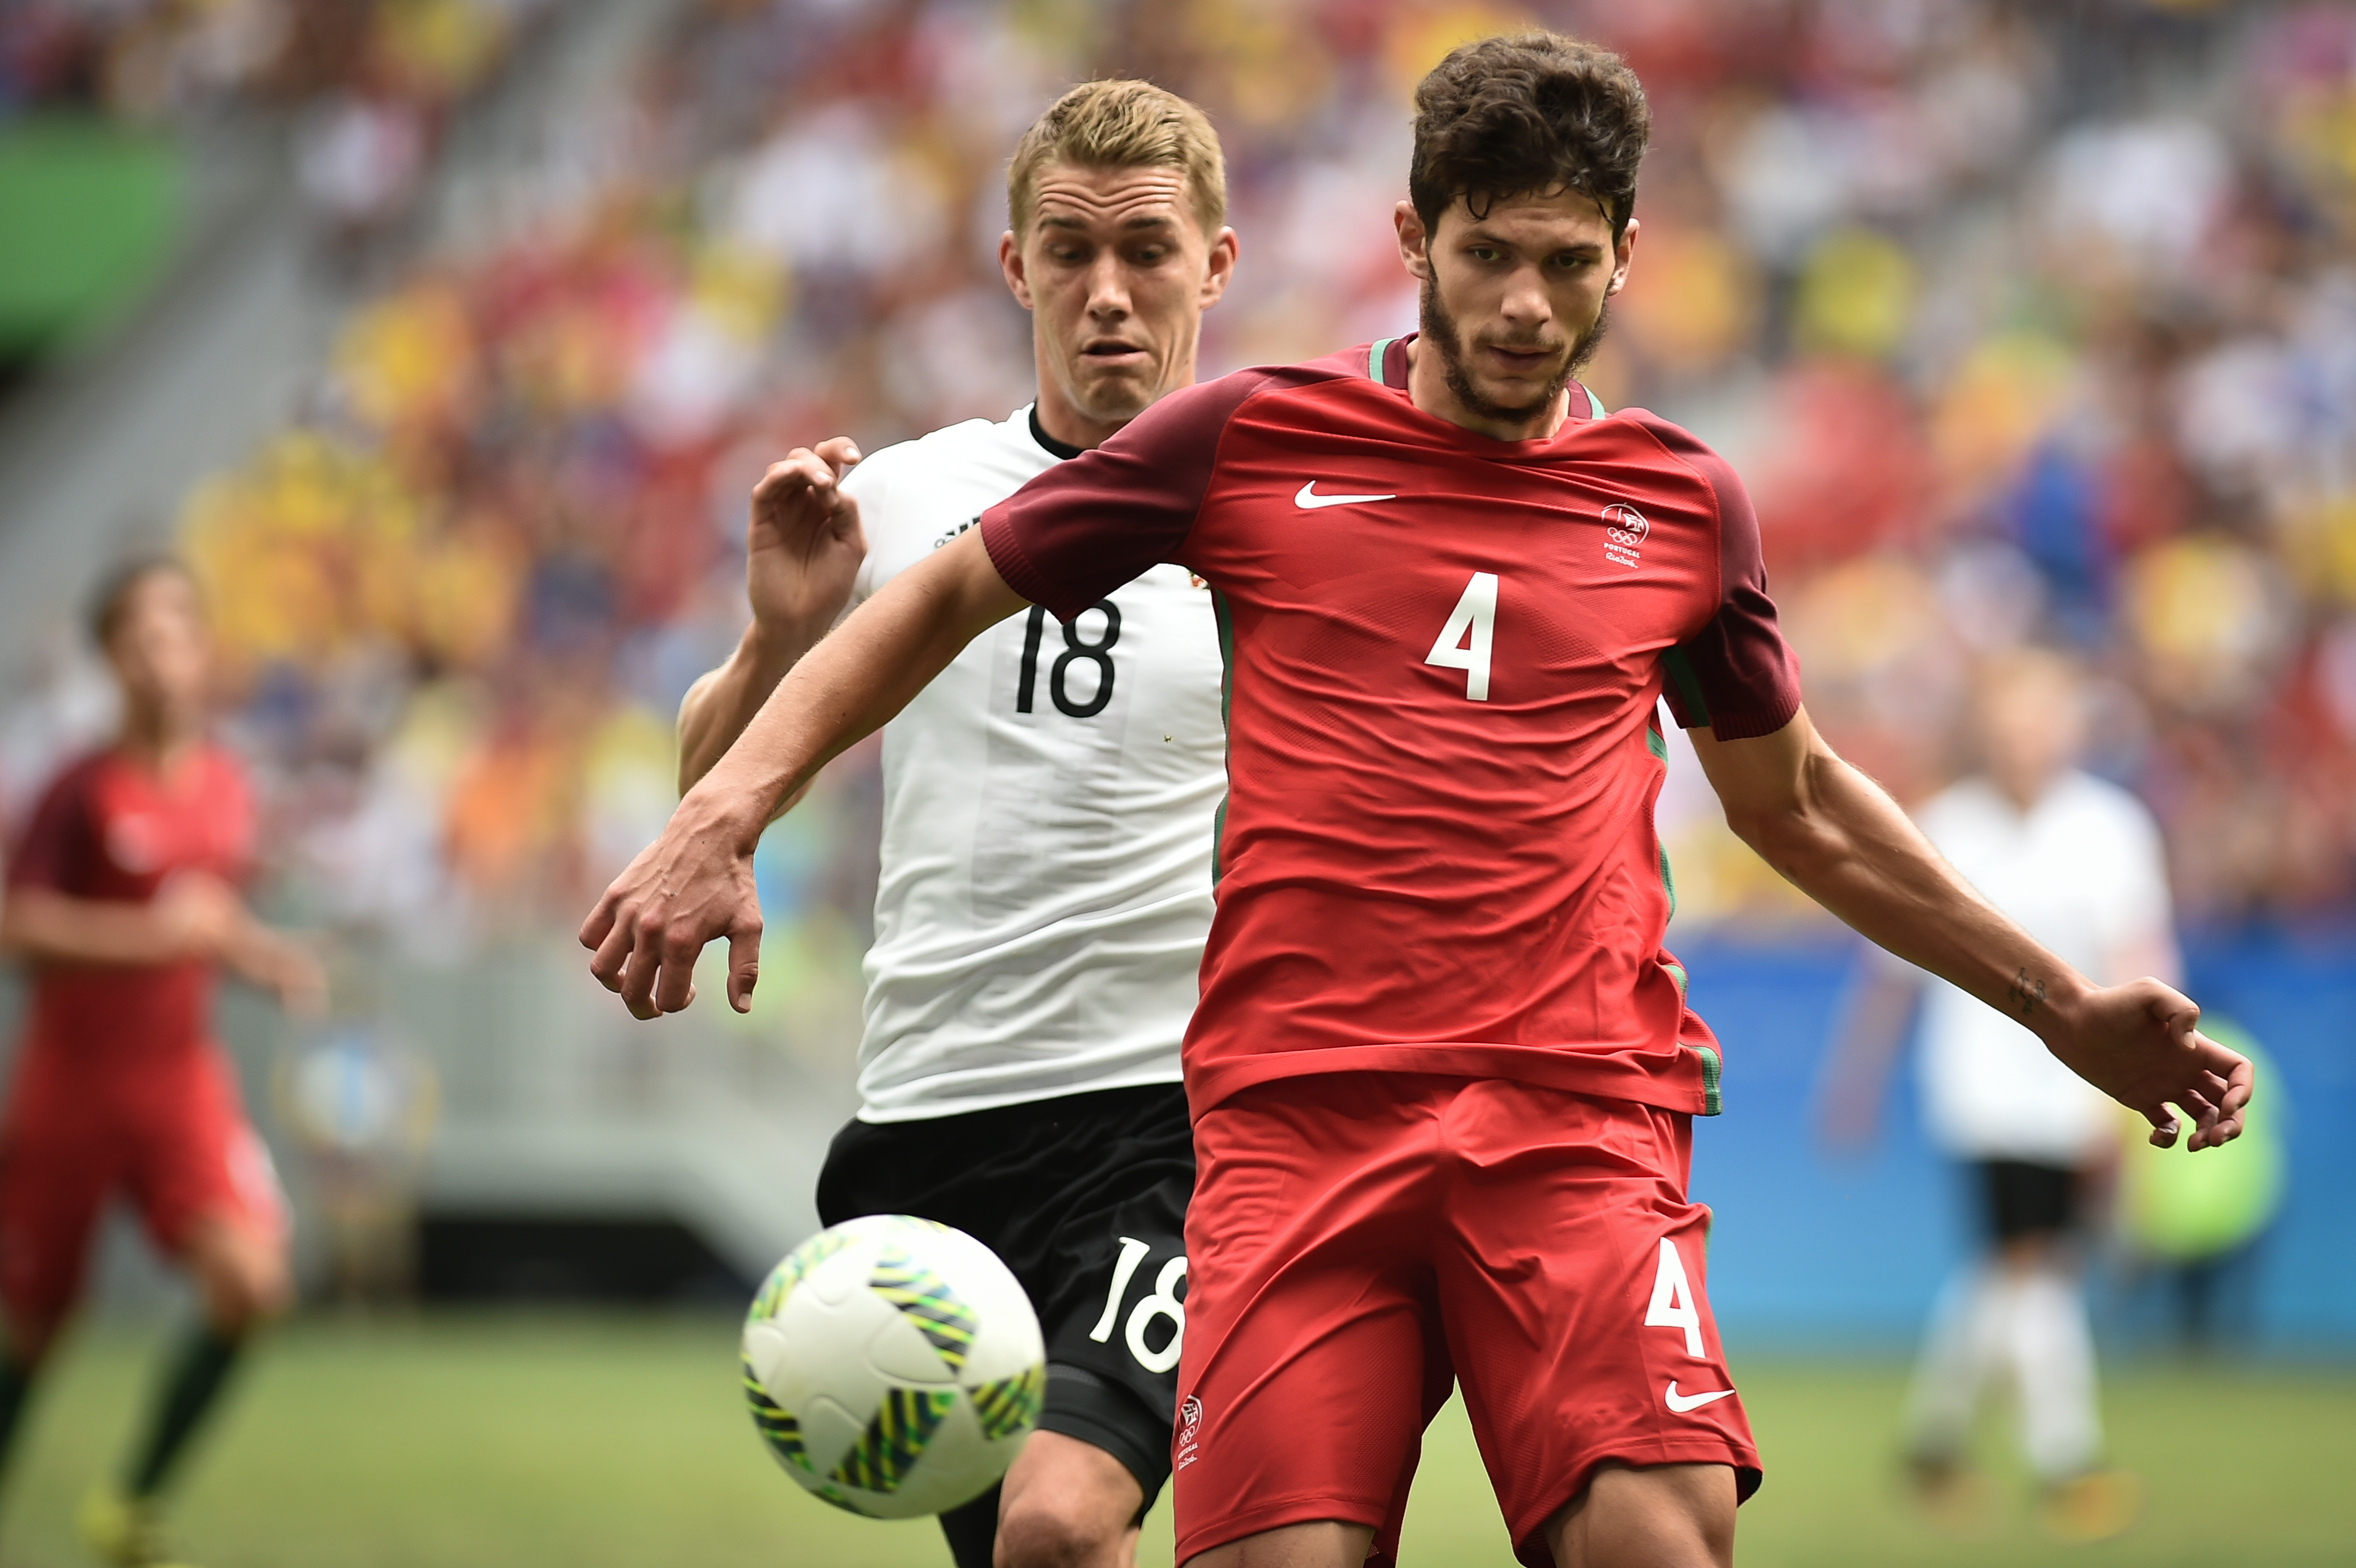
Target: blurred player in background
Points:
(2077, 863)
(1048, 808)
(1442, 1071)
(122, 900)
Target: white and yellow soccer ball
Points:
(893, 1366)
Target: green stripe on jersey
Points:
(1226, 619)
(1374, 358)
(1688, 687)
(1594, 403)
(1712, 1101)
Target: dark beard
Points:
(1439, 330)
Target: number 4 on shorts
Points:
(1463, 643)
(1673, 1300)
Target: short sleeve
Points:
(869, 483)
(1736, 674)
(1087, 525)
(57, 837)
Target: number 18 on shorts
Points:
(1161, 1305)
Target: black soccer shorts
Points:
(1083, 1196)
(2022, 1198)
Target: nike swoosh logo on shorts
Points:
(1681, 1402)
(1309, 500)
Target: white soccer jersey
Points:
(2083, 872)
(1049, 805)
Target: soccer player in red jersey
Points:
(1442, 1070)
(121, 897)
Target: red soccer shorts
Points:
(170, 1135)
(1359, 1240)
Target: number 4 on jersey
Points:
(1463, 643)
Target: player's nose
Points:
(1525, 302)
(1108, 289)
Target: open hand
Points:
(201, 915)
(804, 545)
(689, 887)
(204, 917)
(288, 966)
(2140, 1044)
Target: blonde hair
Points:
(1122, 125)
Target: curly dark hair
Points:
(1527, 114)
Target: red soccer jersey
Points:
(1444, 654)
(109, 829)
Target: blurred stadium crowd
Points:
(150, 60)
(375, 80)
(2020, 321)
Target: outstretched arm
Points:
(1845, 843)
(803, 548)
(694, 884)
(49, 927)
(195, 915)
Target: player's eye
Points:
(1484, 253)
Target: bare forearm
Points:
(694, 884)
(256, 954)
(803, 548)
(49, 927)
(1848, 846)
(1841, 841)
(847, 687)
(719, 706)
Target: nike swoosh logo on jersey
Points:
(1681, 1402)
(1309, 500)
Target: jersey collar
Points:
(1386, 361)
(1063, 450)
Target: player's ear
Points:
(1414, 239)
(1623, 250)
(1010, 261)
(1219, 266)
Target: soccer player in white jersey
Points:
(2077, 863)
(1048, 821)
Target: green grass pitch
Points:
(530, 1438)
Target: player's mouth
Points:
(1112, 354)
(1520, 361)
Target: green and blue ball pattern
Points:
(893, 1366)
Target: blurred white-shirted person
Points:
(2077, 863)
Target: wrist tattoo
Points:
(2025, 994)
